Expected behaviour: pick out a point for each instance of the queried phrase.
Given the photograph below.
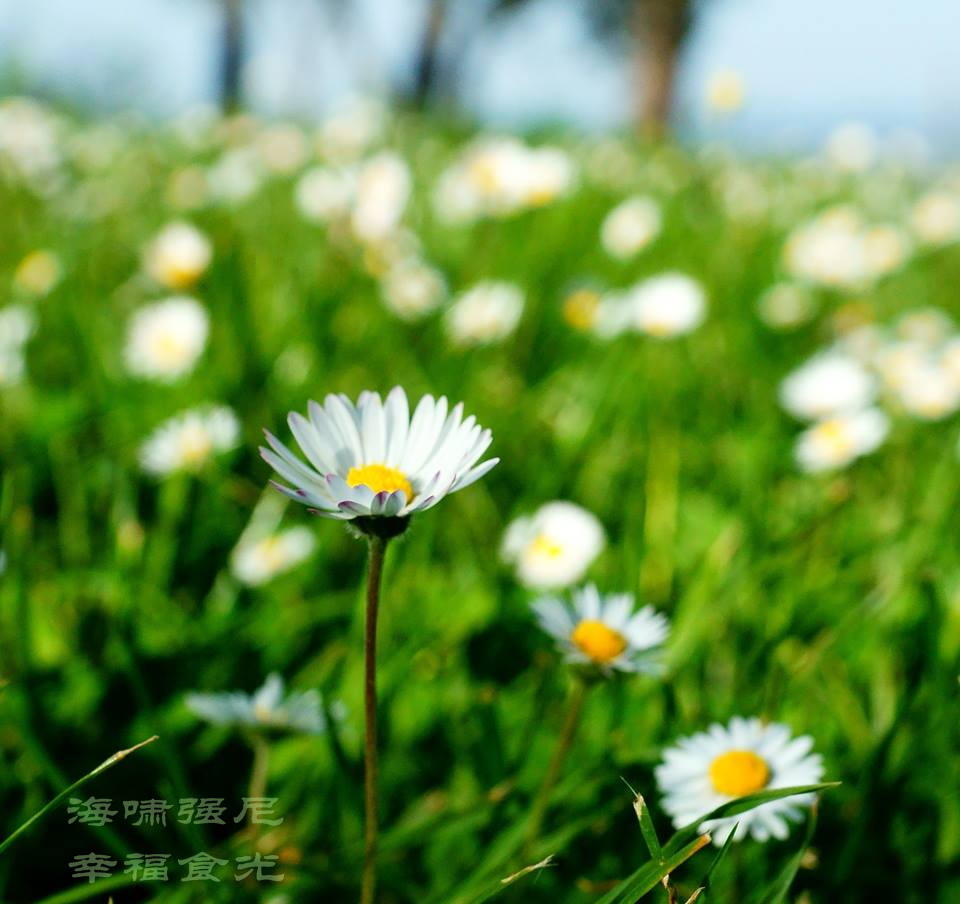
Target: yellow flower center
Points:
(598, 641)
(739, 772)
(580, 308)
(542, 545)
(380, 479)
(836, 438)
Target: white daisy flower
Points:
(630, 227)
(412, 288)
(554, 547)
(827, 384)
(837, 441)
(785, 306)
(178, 256)
(710, 768)
(164, 340)
(603, 630)
(323, 194)
(929, 391)
(852, 147)
(382, 191)
(257, 560)
(487, 312)
(265, 709)
(187, 441)
(372, 459)
(935, 218)
(668, 305)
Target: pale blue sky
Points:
(808, 64)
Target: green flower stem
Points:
(259, 769)
(568, 732)
(377, 550)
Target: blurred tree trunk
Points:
(231, 54)
(425, 73)
(659, 29)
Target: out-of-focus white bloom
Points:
(630, 227)
(235, 177)
(828, 384)
(603, 632)
(726, 91)
(282, 148)
(929, 391)
(553, 547)
(29, 139)
(256, 560)
(17, 324)
(189, 440)
(828, 250)
(178, 256)
(38, 273)
(614, 315)
(852, 147)
(896, 361)
(885, 249)
(349, 132)
(928, 326)
(487, 312)
(668, 305)
(500, 176)
(744, 195)
(785, 306)
(323, 193)
(412, 288)
(711, 768)
(382, 192)
(265, 709)
(837, 441)
(164, 340)
(935, 218)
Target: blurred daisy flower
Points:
(412, 288)
(487, 312)
(324, 193)
(165, 339)
(553, 547)
(668, 305)
(935, 218)
(786, 306)
(17, 323)
(178, 256)
(256, 561)
(604, 631)
(382, 191)
(837, 441)
(266, 709)
(708, 769)
(189, 440)
(827, 384)
(852, 147)
(725, 91)
(264, 551)
(38, 273)
(630, 227)
(373, 459)
(499, 176)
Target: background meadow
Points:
(826, 601)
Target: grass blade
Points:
(651, 874)
(741, 805)
(777, 892)
(647, 828)
(63, 795)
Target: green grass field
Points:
(829, 602)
